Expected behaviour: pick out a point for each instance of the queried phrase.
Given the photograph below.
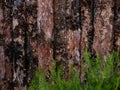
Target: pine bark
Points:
(6, 29)
(103, 27)
(45, 37)
(117, 26)
(34, 33)
(67, 33)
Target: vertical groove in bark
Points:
(31, 39)
(26, 35)
(72, 17)
(73, 31)
(67, 32)
(59, 30)
(87, 24)
(103, 27)
(60, 34)
(18, 45)
(117, 25)
(45, 29)
(87, 30)
(91, 34)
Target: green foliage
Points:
(101, 74)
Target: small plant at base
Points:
(100, 75)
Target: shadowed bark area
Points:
(72, 17)
(19, 39)
(117, 25)
(103, 27)
(87, 31)
(2, 61)
(18, 44)
(24, 42)
(87, 19)
(31, 39)
(6, 29)
(67, 33)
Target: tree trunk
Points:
(67, 33)
(117, 26)
(33, 33)
(103, 27)
(45, 29)
(5, 31)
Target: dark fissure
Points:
(91, 33)
(116, 34)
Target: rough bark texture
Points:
(67, 33)
(103, 27)
(31, 39)
(33, 33)
(24, 42)
(18, 44)
(2, 62)
(45, 29)
(6, 28)
(86, 24)
(87, 31)
(117, 25)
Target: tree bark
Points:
(31, 39)
(33, 33)
(6, 28)
(18, 44)
(117, 26)
(87, 19)
(67, 33)
(45, 29)
(2, 61)
(103, 27)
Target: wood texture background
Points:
(33, 33)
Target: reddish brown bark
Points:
(2, 61)
(6, 28)
(72, 16)
(87, 33)
(35, 32)
(103, 27)
(45, 29)
(67, 33)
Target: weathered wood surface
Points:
(33, 33)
